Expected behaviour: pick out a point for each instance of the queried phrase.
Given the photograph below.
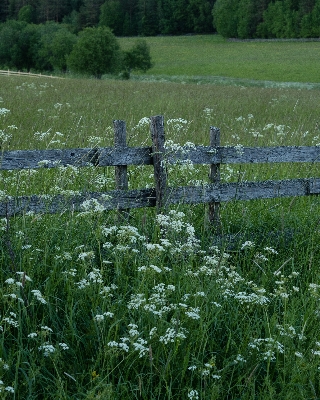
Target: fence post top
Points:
(157, 117)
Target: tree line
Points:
(267, 18)
(230, 18)
(124, 17)
(53, 47)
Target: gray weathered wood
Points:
(244, 191)
(243, 155)
(214, 178)
(121, 175)
(158, 152)
(120, 156)
(107, 156)
(119, 199)
(111, 156)
(120, 143)
(112, 200)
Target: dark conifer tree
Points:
(148, 18)
(200, 15)
(90, 12)
(4, 10)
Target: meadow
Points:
(210, 58)
(155, 307)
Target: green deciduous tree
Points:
(280, 20)
(96, 52)
(137, 58)
(47, 32)
(27, 14)
(60, 47)
(225, 17)
(18, 41)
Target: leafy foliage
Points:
(52, 46)
(96, 52)
(137, 58)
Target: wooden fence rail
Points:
(19, 73)
(120, 156)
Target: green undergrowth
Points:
(152, 308)
(101, 305)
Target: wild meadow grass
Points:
(157, 307)
(204, 56)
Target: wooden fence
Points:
(19, 73)
(161, 195)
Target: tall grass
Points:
(157, 307)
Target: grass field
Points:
(204, 56)
(151, 308)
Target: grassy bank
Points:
(151, 308)
(210, 55)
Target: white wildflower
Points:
(38, 296)
(248, 244)
(47, 349)
(193, 395)
(64, 346)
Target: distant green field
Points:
(211, 55)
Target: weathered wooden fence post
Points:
(160, 174)
(121, 176)
(214, 177)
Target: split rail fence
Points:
(120, 156)
(19, 73)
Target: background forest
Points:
(230, 18)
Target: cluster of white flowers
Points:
(181, 234)
(120, 345)
(239, 359)
(139, 346)
(93, 276)
(4, 111)
(193, 395)
(8, 389)
(193, 313)
(247, 245)
(145, 121)
(101, 317)
(289, 331)
(64, 346)
(10, 321)
(266, 348)
(47, 349)
(37, 294)
(171, 335)
(91, 206)
(105, 292)
(124, 234)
